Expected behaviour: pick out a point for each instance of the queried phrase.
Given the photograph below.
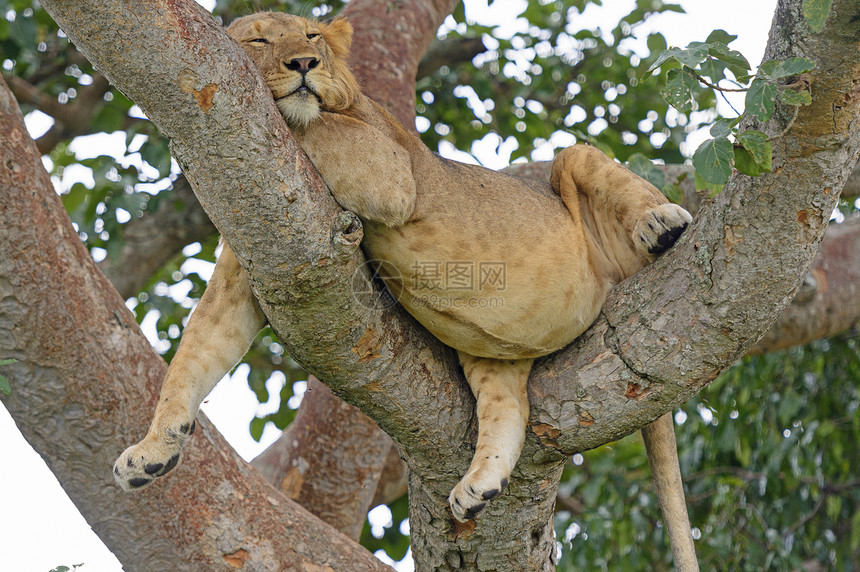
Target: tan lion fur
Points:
(558, 247)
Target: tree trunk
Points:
(662, 336)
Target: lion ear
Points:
(338, 35)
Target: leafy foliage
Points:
(707, 63)
(393, 539)
(550, 85)
(769, 454)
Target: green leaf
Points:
(673, 193)
(693, 55)
(282, 417)
(713, 69)
(791, 97)
(793, 66)
(156, 152)
(767, 69)
(743, 451)
(733, 59)
(656, 43)
(760, 99)
(703, 185)
(713, 160)
(673, 8)
(720, 37)
(664, 56)
(833, 506)
(778, 69)
(815, 12)
(760, 151)
(789, 406)
(645, 168)
(745, 163)
(108, 119)
(721, 128)
(4, 383)
(24, 31)
(256, 427)
(679, 89)
(855, 531)
(257, 383)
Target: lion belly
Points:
(505, 274)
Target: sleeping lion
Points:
(502, 269)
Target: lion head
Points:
(302, 61)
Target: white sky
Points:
(39, 526)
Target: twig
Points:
(807, 517)
(718, 88)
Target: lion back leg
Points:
(631, 223)
(219, 333)
(627, 215)
(499, 387)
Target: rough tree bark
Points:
(662, 336)
(823, 305)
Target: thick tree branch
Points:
(70, 119)
(302, 462)
(389, 55)
(828, 302)
(85, 383)
(28, 94)
(331, 459)
(288, 284)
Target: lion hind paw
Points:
(659, 228)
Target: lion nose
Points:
(302, 65)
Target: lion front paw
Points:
(139, 465)
(472, 493)
(658, 229)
